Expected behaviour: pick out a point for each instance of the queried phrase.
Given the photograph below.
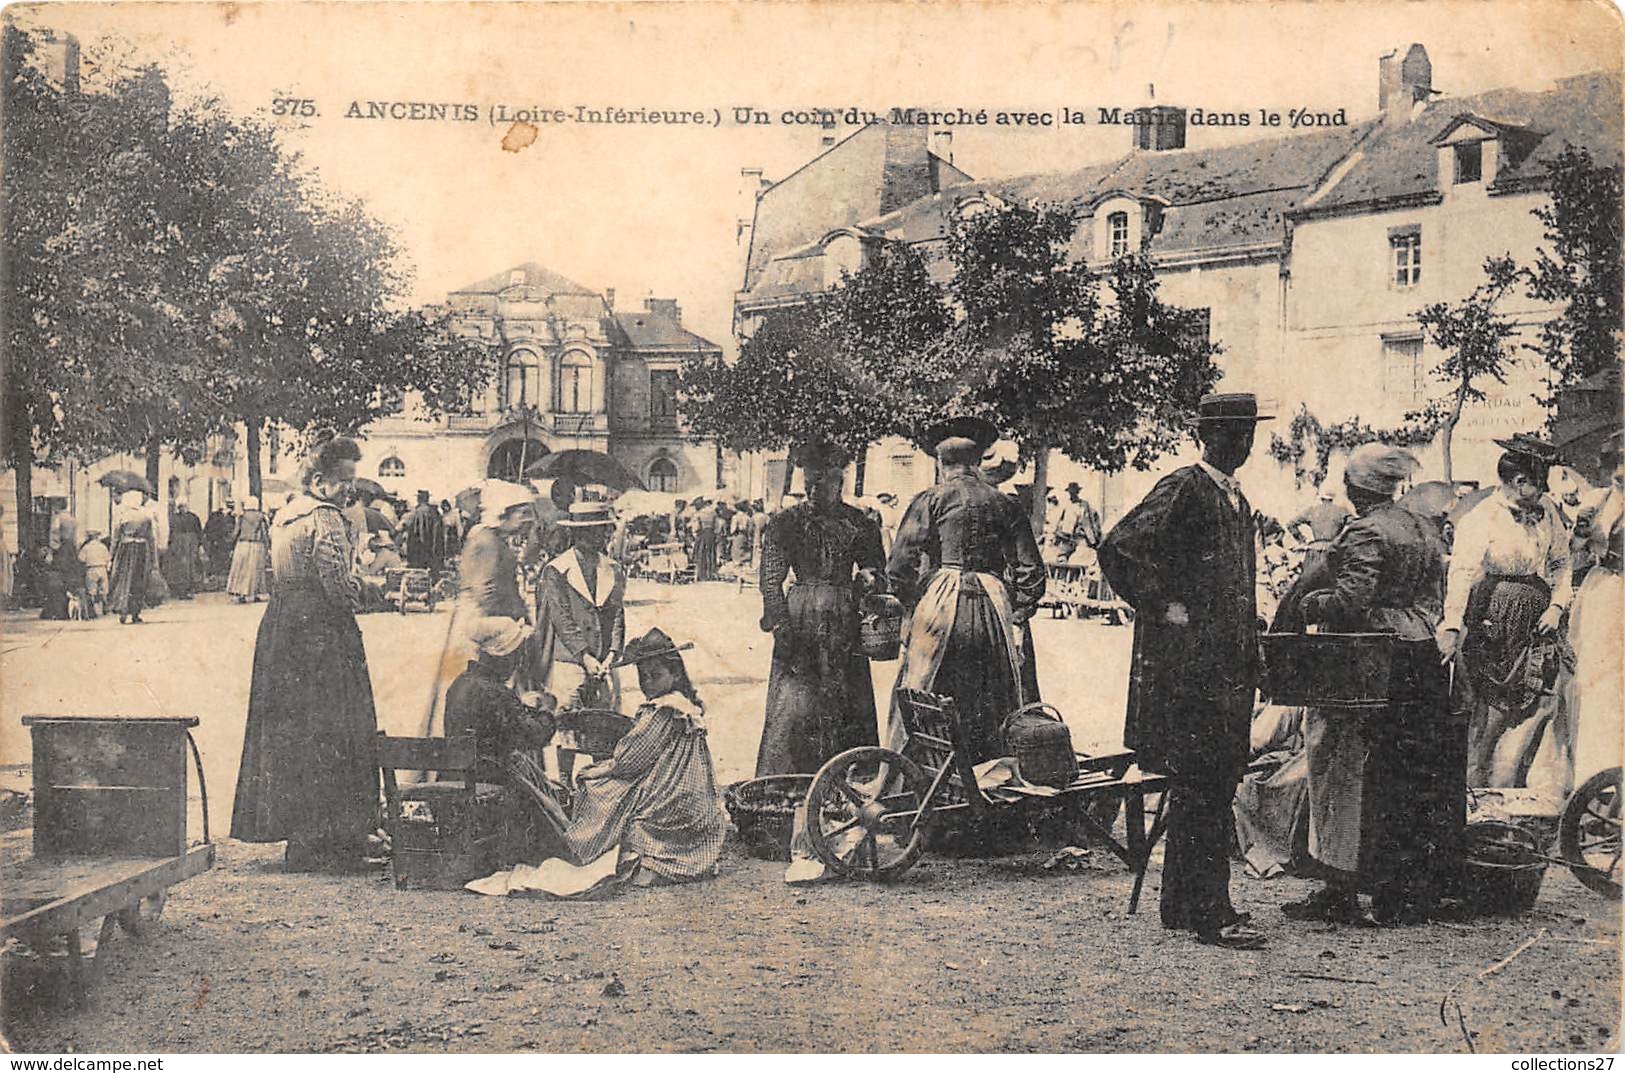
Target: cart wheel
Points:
(867, 813)
(139, 918)
(1588, 832)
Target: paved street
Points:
(194, 658)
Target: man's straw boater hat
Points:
(1228, 406)
(588, 516)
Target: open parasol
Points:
(637, 501)
(124, 480)
(585, 467)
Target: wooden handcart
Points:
(109, 835)
(870, 809)
(1078, 590)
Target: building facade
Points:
(1310, 253)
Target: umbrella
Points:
(368, 488)
(1467, 501)
(376, 522)
(585, 467)
(1431, 499)
(124, 480)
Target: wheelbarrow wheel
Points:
(1588, 832)
(867, 813)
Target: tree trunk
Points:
(25, 503)
(1449, 432)
(1040, 488)
(153, 459)
(860, 473)
(251, 425)
(789, 473)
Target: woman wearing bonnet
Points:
(309, 774)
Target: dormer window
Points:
(1469, 162)
(1117, 234)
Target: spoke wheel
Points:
(867, 814)
(1588, 832)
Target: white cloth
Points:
(554, 876)
(1490, 540)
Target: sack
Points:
(1042, 746)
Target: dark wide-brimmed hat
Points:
(588, 516)
(1228, 406)
(1524, 445)
(652, 646)
(822, 454)
(979, 430)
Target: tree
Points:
(1477, 342)
(1017, 332)
(1583, 269)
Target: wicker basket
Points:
(1342, 670)
(764, 812)
(597, 730)
(880, 629)
(1503, 869)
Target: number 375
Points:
(292, 106)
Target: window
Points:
(1117, 234)
(524, 379)
(1403, 381)
(662, 475)
(663, 398)
(1469, 162)
(1407, 254)
(392, 467)
(575, 384)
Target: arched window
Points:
(575, 383)
(1117, 234)
(392, 467)
(524, 379)
(662, 475)
(510, 460)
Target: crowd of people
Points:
(1483, 620)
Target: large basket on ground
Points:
(764, 812)
(1342, 670)
(1502, 869)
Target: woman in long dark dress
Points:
(820, 698)
(185, 545)
(134, 539)
(309, 772)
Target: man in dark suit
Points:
(1183, 558)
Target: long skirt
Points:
(820, 698)
(1387, 786)
(185, 578)
(958, 643)
(1496, 650)
(309, 771)
(250, 563)
(132, 573)
(705, 555)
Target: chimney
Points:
(751, 185)
(58, 59)
(942, 145)
(1158, 127)
(1403, 82)
(666, 308)
(609, 298)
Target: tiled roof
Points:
(535, 276)
(880, 168)
(651, 331)
(1399, 160)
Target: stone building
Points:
(570, 371)
(1310, 252)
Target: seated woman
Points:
(656, 797)
(510, 731)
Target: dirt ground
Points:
(962, 955)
